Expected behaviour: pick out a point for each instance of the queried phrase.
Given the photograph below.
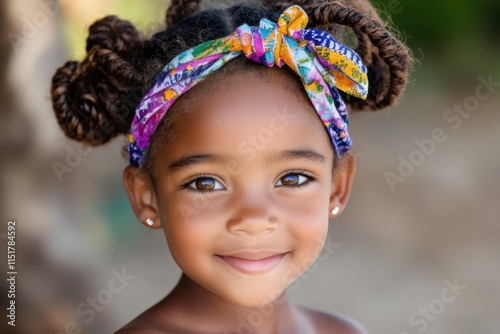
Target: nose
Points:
(253, 215)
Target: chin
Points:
(247, 296)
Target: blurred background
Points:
(424, 213)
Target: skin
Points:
(255, 203)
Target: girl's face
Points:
(245, 188)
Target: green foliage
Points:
(454, 39)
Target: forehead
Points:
(264, 110)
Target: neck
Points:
(190, 304)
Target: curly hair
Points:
(94, 100)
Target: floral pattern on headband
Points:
(323, 64)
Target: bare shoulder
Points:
(146, 323)
(332, 322)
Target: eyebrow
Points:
(189, 160)
(305, 154)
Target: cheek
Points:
(190, 228)
(309, 212)
(309, 228)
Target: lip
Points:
(253, 262)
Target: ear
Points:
(342, 179)
(141, 196)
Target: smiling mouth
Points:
(253, 263)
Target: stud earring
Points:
(335, 210)
(149, 221)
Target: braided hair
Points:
(94, 100)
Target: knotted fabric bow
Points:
(322, 63)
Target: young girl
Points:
(239, 144)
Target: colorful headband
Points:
(322, 63)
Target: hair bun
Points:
(112, 33)
(388, 59)
(180, 9)
(92, 100)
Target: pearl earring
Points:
(149, 221)
(335, 210)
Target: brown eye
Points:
(292, 179)
(205, 184)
